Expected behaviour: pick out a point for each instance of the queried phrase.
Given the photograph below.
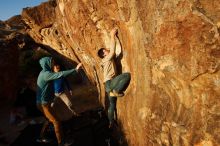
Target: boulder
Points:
(171, 48)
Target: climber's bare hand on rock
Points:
(114, 31)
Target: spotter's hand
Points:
(78, 66)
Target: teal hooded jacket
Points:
(45, 89)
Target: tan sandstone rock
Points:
(171, 48)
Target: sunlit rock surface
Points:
(171, 48)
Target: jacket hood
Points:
(45, 63)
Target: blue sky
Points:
(9, 8)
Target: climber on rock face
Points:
(45, 93)
(115, 85)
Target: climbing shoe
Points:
(44, 140)
(116, 94)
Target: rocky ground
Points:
(83, 103)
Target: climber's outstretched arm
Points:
(113, 44)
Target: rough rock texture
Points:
(16, 58)
(9, 44)
(171, 48)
